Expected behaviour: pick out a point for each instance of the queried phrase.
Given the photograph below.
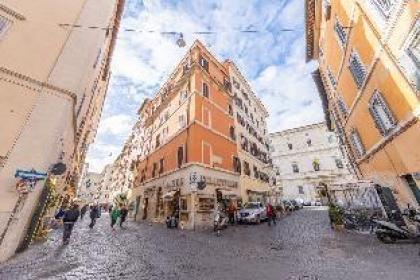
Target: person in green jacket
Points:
(115, 214)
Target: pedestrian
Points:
(69, 218)
(110, 209)
(231, 213)
(94, 214)
(115, 214)
(270, 214)
(83, 211)
(123, 215)
(60, 213)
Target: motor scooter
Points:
(220, 222)
(389, 232)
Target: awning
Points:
(169, 195)
(258, 192)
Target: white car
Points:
(252, 212)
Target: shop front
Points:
(180, 195)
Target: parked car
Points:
(307, 203)
(298, 203)
(318, 203)
(288, 206)
(252, 212)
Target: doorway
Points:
(413, 186)
(145, 206)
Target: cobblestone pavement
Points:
(301, 246)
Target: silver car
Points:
(252, 212)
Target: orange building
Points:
(187, 141)
(369, 59)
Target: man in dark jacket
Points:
(69, 218)
(94, 214)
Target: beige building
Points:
(252, 139)
(308, 159)
(89, 191)
(53, 79)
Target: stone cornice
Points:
(38, 83)
(11, 12)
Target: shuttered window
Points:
(410, 59)
(340, 32)
(357, 69)
(4, 26)
(342, 107)
(357, 144)
(381, 114)
(332, 79)
(384, 6)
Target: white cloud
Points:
(116, 125)
(272, 60)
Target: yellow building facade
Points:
(369, 57)
(54, 74)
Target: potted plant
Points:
(336, 217)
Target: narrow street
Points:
(301, 246)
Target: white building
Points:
(307, 159)
(90, 187)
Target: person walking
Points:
(270, 214)
(231, 213)
(94, 214)
(115, 214)
(69, 218)
(83, 211)
(123, 215)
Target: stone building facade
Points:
(369, 65)
(308, 159)
(54, 73)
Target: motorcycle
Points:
(388, 232)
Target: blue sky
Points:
(271, 60)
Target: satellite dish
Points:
(58, 168)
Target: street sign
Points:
(194, 177)
(30, 175)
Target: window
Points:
(410, 59)
(357, 144)
(230, 110)
(232, 133)
(381, 114)
(97, 59)
(256, 173)
(182, 96)
(206, 117)
(342, 107)
(154, 169)
(182, 121)
(204, 63)
(295, 168)
(157, 140)
(357, 69)
(309, 142)
(4, 25)
(333, 81)
(331, 139)
(290, 146)
(247, 171)
(316, 165)
(339, 163)
(300, 188)
(180, 156)
(326, 7)
(340, 32)
(205, 90)
(236, 165)
(161, 165)
(384, 6)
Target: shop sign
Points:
(30, 175)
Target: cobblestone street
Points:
(301, 246)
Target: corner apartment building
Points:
(369, 60)
(250, 131)
(89, 191)
(54, 73)
(188, 161)
(307, 160)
